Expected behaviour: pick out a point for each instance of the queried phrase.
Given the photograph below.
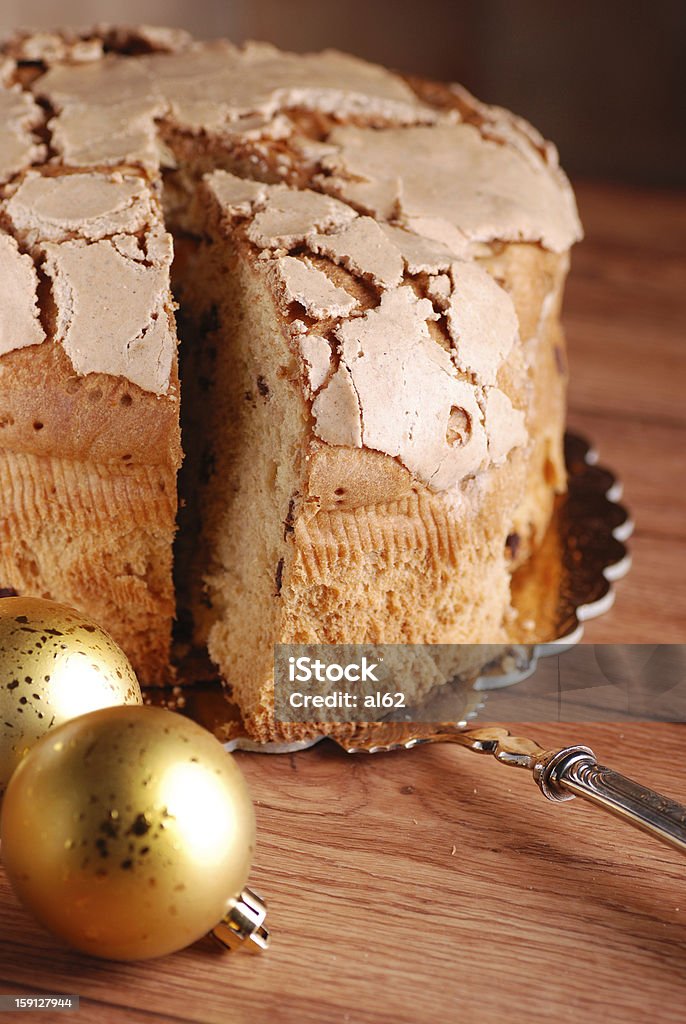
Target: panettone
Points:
(369, 271)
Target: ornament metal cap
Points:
(242, 927)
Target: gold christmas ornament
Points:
(55, 664)
(129, 832)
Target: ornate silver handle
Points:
(574, 771)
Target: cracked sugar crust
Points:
(218, 83)
(210, 87)
(91, 205)
(20, 325)
(288, 217)
(449, 183)
(439, 191)
(416, 162)
(85, 137)
(237, 196)
(481, 320)
(420, 255)
(51, 47)
(19, 147)
(105, 112)
(280, 217)
(124, 329)
(363, 249)
(406, 388)
(337, 412)
(82, 47)
(297, 280)
(465, 183)
(107, 257)
(387, 383)
(315, 352)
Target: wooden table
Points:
(436, 886)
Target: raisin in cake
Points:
(369, 271)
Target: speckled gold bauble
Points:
(128, 831)
(55, 664)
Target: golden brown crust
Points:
(345, 478)
(48, 409)
(98, 538)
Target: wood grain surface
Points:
(437, 886)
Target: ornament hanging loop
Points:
(242, 927)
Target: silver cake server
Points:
(560, 774)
